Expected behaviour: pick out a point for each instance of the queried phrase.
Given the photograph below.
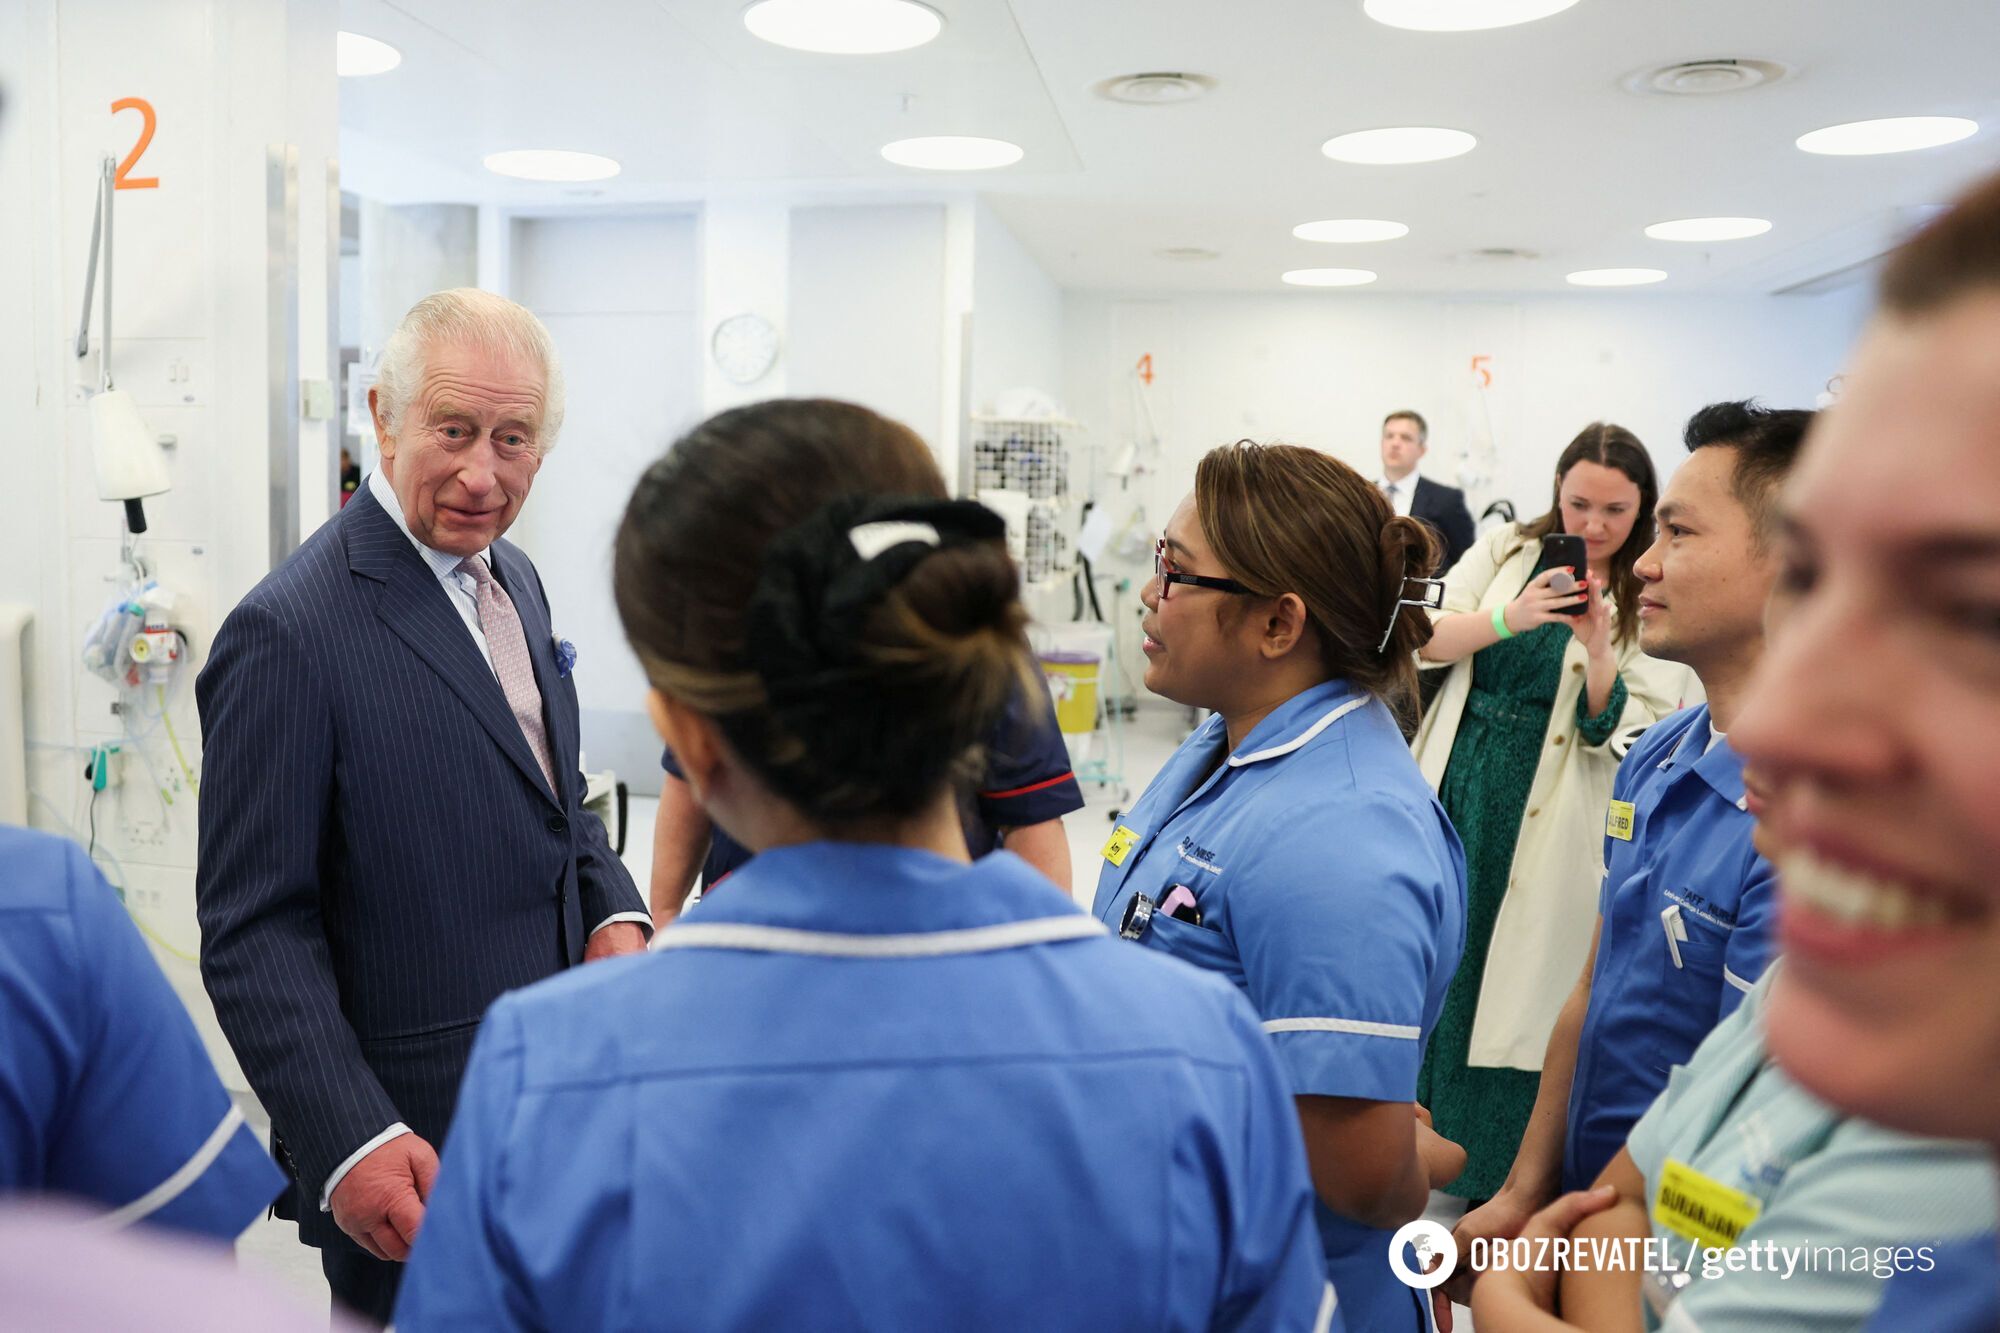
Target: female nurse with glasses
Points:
(1291, 844)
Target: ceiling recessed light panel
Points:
(951, 152)
(1901, 134)
(844, 27)
(1393, 147)
(1617, 277)
(551, 164)
(1329, 277)
(356, 57)
(1350, 231)
(1460, 15)
(1708, 229)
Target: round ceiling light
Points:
(844, 27)
(357, 57)
(1708, 229)
(1899, 134)
(551, 164)
(952, 152)
(1617, 277)
(1329, 277)
(1460, 15)
(1394, 147)
(1350, 231)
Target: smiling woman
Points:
(1884, 775)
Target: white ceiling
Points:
(1570, 165)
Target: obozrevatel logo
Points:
(1432, 1243)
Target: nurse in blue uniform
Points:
(873, 1084)
(106, 1093)
(1291, 845)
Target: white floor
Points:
(272, 1248)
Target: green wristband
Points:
(1500, 622)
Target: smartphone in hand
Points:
(1562, 550)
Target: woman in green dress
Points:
(1522, 745)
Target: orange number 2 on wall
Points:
(125, 180)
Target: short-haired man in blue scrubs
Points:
(106, 1094)
(1687, 907)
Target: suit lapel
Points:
(420, 613)
(512, 570)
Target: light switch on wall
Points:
(316, 400)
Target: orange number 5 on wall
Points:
(124, 179)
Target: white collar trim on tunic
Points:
(829, 944)
(1333, 716)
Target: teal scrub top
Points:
(1840, 1194)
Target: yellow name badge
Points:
(1702, 1209)
(1618, 824)
(1121, 844)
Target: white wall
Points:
(1017, 316)
(866, 308)
(192, 342)
(620, 296)
(1323, 370)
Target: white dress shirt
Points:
(1405, 492)
(464, 594)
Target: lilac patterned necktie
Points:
(508, 647)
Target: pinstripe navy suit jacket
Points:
(381, 856)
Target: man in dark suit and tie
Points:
(1405, 440)
(392, 831)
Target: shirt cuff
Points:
(639, 919)
(1595, 731)
(354, 1159)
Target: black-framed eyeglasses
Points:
(1169, 577)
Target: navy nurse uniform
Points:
(1331, 889)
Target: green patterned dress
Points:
(1485, 791)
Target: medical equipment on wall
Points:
(1021, 470)
(134, 642)
(125, 454)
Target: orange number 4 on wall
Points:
(124, 179)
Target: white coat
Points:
(1542, 933)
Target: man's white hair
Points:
(467, 316)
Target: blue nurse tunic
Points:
(1332, 891)
(872, 1088)
(106, 1093)
(1687, 910)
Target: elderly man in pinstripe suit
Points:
(391, 823)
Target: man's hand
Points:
(380, 1201)
(617, 938)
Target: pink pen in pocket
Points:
(1180, 905)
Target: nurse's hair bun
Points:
(854, 650)
(1282, 518)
